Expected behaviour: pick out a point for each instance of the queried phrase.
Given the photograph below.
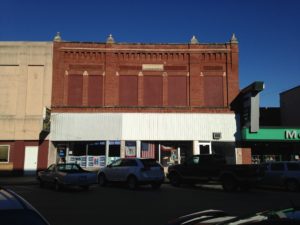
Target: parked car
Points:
(213, 168)
(290, 216)
(14, 210)
(284, 174)
(133, 172)
(66, 174)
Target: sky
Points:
(268, 31)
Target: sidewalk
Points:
(20, 180)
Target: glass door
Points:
(204, 148)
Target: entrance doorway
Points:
(30, 161)
(204, 148)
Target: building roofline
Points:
(142, 43)
(292, 89)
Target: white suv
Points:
(133, 171)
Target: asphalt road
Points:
(119, 206)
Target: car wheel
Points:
(57, 186)
(175, 179)
(102, 180)
(292, 185)
(156, 185)
(229, 184)
(42, 183)
(132, 182)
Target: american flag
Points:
(148, 150)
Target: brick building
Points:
(163, 101)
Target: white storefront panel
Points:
(142, 126)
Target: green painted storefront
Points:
(273, 143)
(272, 134)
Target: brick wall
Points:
(246, 156)
(209, 73)
(17, 155)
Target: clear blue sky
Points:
(268, 31)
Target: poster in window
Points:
(130, 149)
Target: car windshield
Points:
(69, 168)
(20, 217)
(150, 163)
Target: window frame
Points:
(8, 153)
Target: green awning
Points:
(272, 134)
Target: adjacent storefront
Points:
(273, 144)
(96, 139)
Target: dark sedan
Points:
(14, 210)
(66, 174)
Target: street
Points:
(116, 205)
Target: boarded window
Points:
(153, 91)
(95, 91)
(128, 91)
(213, 92)
(177, 89)
(75, 90)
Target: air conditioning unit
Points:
(217, 135)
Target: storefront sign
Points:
(272, 134)
(62, 152)
(292, 135)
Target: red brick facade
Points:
(17, 155)
(144, 77)
(246, 156)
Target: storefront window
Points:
(87, 154)
(113, 151)
(256, 159)
(96, 148)
(169, 155)
(148, 150)
(114, 148)
(130, 149)
(268, 158)
(174, 152)
(77, 148)
(4, 149)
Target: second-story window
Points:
(75, 89)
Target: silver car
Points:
(133, 172)
(67, 174)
